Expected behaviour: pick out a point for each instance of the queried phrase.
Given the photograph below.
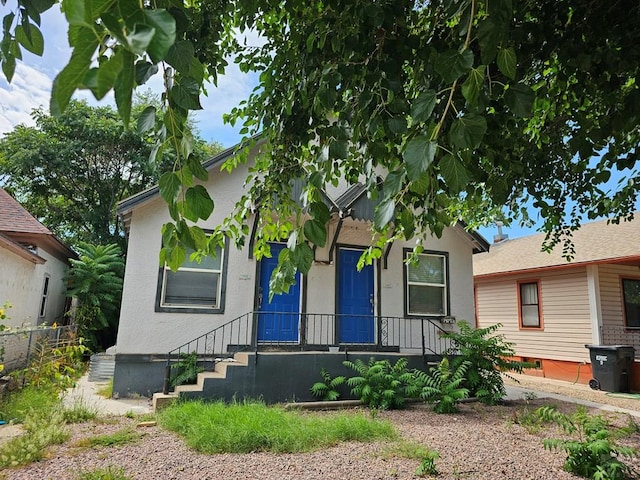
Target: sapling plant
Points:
(327, 389)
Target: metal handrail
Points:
(307, 331)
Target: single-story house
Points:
(221, 305)
(550, 308)
(34, 264)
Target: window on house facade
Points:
(631, 298)
(194, 286)
(45, 295)
(426, 289)
(529, 302)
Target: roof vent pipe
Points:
(500, 237)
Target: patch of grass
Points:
(109, 473)
(79, 412)
(116, 439)
(252, 426)
(405, 449)
(40, 432)
(106, 390)
(29, 400)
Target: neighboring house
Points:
(34, 263)
(386, 307)
(551, 308)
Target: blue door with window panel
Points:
(355, 299)
(279, 319)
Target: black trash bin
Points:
(611, 366)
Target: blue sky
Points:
(31, 87)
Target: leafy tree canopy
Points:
(440, 107)
(71, 170)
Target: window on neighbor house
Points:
(45, 295)
(631, 298)
(529, 300)
(194, 287)
(426, 285)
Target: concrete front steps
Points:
(161, 400)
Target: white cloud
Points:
(29, 89)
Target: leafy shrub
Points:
(327, 388)
(595, 453)
(488, 355)
(442, 387)
(41, 430)
(186, 370)
(382, 385)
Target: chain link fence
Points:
(17, 347)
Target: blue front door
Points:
(355, 299)
(278, 320)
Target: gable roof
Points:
(595, 242)
(15, 218)
(353, 201)
(19, 228)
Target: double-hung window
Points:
(529, 304)
(196, 287)
(426, 285)
(631, 298)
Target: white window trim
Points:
(421, 284)
(219, 271)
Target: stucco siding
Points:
(21, 284)
(565, 311)
(142, 330)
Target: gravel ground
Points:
(478, 443)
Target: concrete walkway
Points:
(86, 393)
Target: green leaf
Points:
(455, 174)
(338, 149)
(418, 155)
(181, 56)
(519, 98)
(85, 43)
(385, 213)
(467, 131)
(422, 107)
(320, 212)
(490, 35)
(165, 36)
(393, 183)
(198, 201)
(169, 185)
(9, 67)
(123, 86)
(147, 119)
(175, 256)
(186, 94)
(107, 73)
(74, 11)
(315, 232)
(452, 64)
(472, 86)
(140, 38)
(302, 258)
(32, 42)
(397, 125)
(507, 62)
(197, 169)
(144, 71)
(407, 221)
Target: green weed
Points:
(116, 439)
(106, 390)
(252, 426)
(79, 412)
(405, 449)
(109, 473)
